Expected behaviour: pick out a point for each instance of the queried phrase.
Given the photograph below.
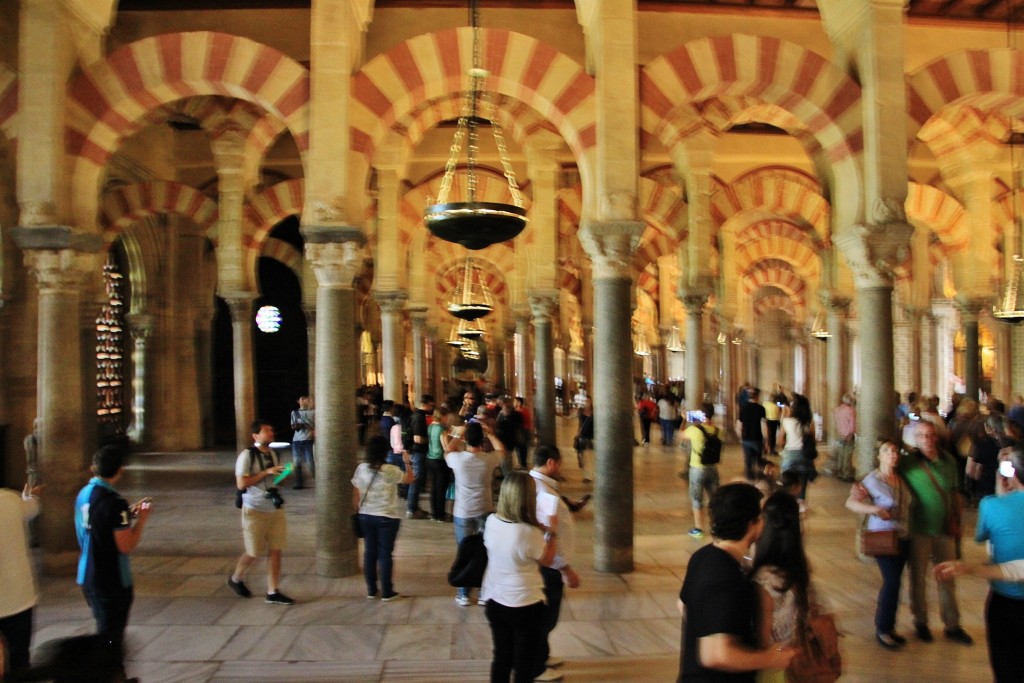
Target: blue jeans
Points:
(467, 526)
(397, 460)
(302, 454)
(110, 609)
(668, 432)
(891, 568)
(412, 499)
(379, 534)
(752, 451)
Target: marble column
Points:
(336, 255)
(523, 365)
(610, 246)
(392, 304)
(203, 321)
(244, 363)
(63, 263)
(542, 306)
(310, 314)
(916, 317)
(694, 303)
(141, 326)
(418, 317)
(836, 308)
(972, 350)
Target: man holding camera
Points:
(264, 527)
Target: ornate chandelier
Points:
(471, 299)
(475, 224)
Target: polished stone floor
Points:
(186, 625)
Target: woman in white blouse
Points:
(512, 585)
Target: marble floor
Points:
(186, 625)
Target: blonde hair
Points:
(517, 501)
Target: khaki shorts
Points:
(263, 531)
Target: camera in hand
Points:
(275, 497)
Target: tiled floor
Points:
(186, 625)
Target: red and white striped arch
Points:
(777, 275)
(262, 213)
(802, 83)
(779, 240)
(128, 204)
(110, 99)
(988, 80)
(769, 301)
(435, 65)
(779, 191)
(8, 103)
(945, 215)
(286, 253)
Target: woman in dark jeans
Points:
(584, 440)
(885, 498)
(375, 497)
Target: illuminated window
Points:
(110, 340)
(268, 319)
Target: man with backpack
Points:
(705, 452)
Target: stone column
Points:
(310, 314)
(836, 308)
(141, 326)
(543, 305)
(63, 263)
(523, 365)
(336, 256)
(916, 317)
(872, 252)
(243, 360)
(392, 343)
(694, 302)
(972, 349)
(204, 373)
(610, 246)
(418, 316)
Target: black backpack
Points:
(712, 453)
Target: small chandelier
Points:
(642, 348)
(454, 338)
(471, 299)
(471, 350)
(722, 339)
(818, 329)
(474, 224)
(674, 343)
(1011, 309)
(470, 329)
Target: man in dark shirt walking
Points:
(753, 431)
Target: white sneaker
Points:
(481, 602)
(554, 662)
(549, 675)
(463, 600)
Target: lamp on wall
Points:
(722, 339)
(475, 224)
(674, 343)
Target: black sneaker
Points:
(240, 588)
(924, 634)
(279, 598)
(958, 635)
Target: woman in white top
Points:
(375, 497)
(512, 586)
(796, 427)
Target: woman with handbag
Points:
(884, 497)
(375, 498)
(782, 576)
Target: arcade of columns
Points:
(889, 207)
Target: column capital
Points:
(239, 305)
(970, 308)
(392, 301)
(521, 314)
(875, 250)
(694, 300)
(63, 270)
(141, 325)
(418, 316)
(610, 246)
(543, 304)
(335, 253)
(834, 302)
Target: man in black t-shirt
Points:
(418, 455)
(753, 429)
(718, 601)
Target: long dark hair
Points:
(801, 410)
(377, 451)
(781, 548)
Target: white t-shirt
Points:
(512, 577)
(382, 497)
(19, 592)
(255, 496)
(794, 434)
(473, 472)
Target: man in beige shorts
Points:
(264, 527)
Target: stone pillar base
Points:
(336, 565)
